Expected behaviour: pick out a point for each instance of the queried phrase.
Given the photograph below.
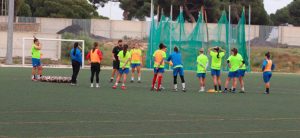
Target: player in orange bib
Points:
(159, 66)
(94, 58)
(267, 67)
(136, 62)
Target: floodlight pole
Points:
(249, 38)
(151, 32)
(229, 27)
(10, 32)
(171, 20)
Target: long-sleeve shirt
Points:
(95, 57)
(77, 56)
(176, 59)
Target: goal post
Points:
(25, 46)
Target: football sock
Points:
(175, 80)
(182, 79)
(216, 88)
(220, 87)
(154, 80)
(175, 86)
(132, 78)
(233, 89)
(159, 82)
(183, 85)
(225, 89)
(139, 78)
(267, 90)
(243, 88)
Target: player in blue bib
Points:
(176, 59)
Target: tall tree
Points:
(140, 10)
(289, 14)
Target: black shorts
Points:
(116, 65)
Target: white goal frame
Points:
(50, 39)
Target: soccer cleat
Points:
(97, 85)
(111, 80)
(152, 89)
(175, 90)
(92, 85)
(123, 87)
(139, 81)
(183, 90)
(73, 84)
(114, 87)
(132, 81)
(266, 93)
(225, 91)
(233, 91)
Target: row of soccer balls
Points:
(56, 79)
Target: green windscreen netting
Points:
(189, 38)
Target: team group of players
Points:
(124, 59)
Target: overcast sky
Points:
(117, 14)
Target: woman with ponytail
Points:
(94, 58)
(76, 57)
(217, 55)
(267, 67)
(124, 57)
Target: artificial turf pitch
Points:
(36, 109)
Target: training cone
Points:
(211, 91)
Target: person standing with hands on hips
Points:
(94, 58)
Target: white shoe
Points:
(201, 90)
(92, 85)
(97, 85)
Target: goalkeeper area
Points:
(39, 109)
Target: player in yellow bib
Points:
(242, 72)
(159, 66)
(234, 63)
(217, 55)
(124, 57)
(136, 62)
(202, 62)
(36, 60)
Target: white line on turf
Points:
(185, 133)
(146, 121)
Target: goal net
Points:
(54, 52)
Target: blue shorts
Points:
(267, 76)
(122, 71)
(201, 75)
(234, 74)
(177, 71)
(36, 62)
(159, 70)
(242, 72)
(134, 65)
(215, 72)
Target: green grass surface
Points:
(36, 109)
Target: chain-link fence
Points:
(107, 32)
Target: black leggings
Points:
(181, 77)
(95, 70)
(76, 68)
